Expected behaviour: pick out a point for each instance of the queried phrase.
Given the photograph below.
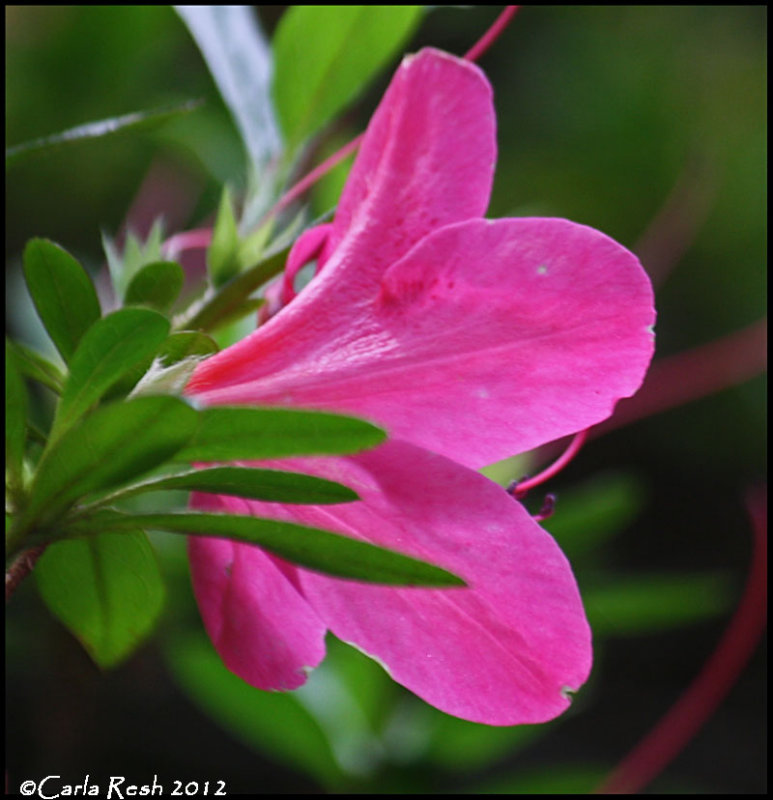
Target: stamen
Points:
(548, 507)
(520, 489)
(491, 35)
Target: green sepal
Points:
(223, 253)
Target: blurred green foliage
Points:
(602, 111)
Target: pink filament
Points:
(491, 35)
(523, 487)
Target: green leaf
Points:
(326, 55)
(239, 58)
(223, 252)
(156, 285)
(116, 443)
(652, 603)
(233, 433)
(313, 548)
(128, 123)
(109, 349)
(258, 484)
(15, 419)
(63, 294)
(186, 344)
(225, 304)
(245, 309)
(274, 723)
(35, 366)
(106, 589)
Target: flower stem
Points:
(21, 567)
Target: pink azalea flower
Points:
(469, 340)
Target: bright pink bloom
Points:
(468, 340)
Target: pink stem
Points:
(719, 673)
(22, 565)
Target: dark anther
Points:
(548, 507)
(514, 491)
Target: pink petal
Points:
(263, 629)
(502, 651)
(487, 339)
(427, 160)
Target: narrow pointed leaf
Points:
(247, 308)
(242, 433)
(156, 285)
(109, 349)
(15, 418)
(128, 123)
(312, 548)
(37, 367)
(222, 306)
(106, 589)
(239, 58)
(223, 252)
(63, 294)
(109, 447)
(325, 55)
(258, 484)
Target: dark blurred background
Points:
(604, 114)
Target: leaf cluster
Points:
(120, 428)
